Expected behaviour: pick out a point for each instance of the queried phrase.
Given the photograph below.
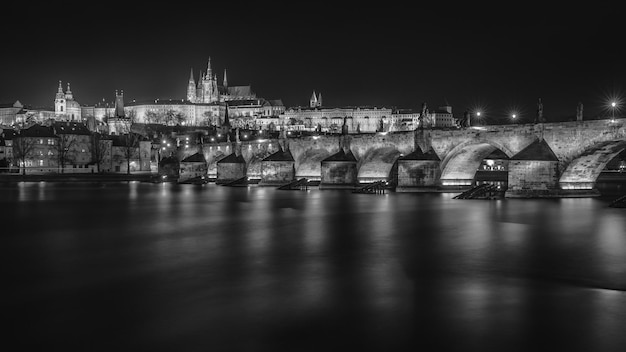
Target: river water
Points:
(166, 267)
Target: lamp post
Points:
(613, 111)
(477, 115)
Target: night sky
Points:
(497, 57)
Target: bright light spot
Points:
(169, 145)
(478, 113)
(490, 162)
(514, 115)
(163, 148)
(613, 104)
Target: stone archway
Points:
(377, 164)
(309, 163)
(460, 165)
(583, 171)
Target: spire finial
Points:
(191, 75)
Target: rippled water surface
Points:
(167, 267)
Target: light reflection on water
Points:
(183, 267)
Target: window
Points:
(61, 109)
(40, 162)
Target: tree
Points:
(66, 142)
(130, 142)
(173, 117)
(99, 149)
(22, 149)
(207, 118)
(151, 117)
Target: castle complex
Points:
(206, 103)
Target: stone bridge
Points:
(583, 149)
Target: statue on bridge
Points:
(579, 112)
(539, 117)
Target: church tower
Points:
(209, 86)
(191, 88)
(225, 84)
(316, 100)
(68, 93)
(119, 104)
(313, 100)
(60, 106)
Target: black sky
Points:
(500, 56)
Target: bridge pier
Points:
(277, 169)
(339, 171)
(230, 168)
(418, 172)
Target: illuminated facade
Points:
(65, 107)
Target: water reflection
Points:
(255, 268)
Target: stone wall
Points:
(338, 174)
(414, 175)
(277, 173)
(525, 175)
(189, 170)
(227, 172)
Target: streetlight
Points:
(613, 111)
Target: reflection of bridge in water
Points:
(551, 159)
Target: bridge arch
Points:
(309, 163)
(460, 164)
(584, 169)
(376, 164)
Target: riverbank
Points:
(104, 177)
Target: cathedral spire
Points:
(209, 72)
(225, 80)
(313, 100)
(60, 90)
(191, 88)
